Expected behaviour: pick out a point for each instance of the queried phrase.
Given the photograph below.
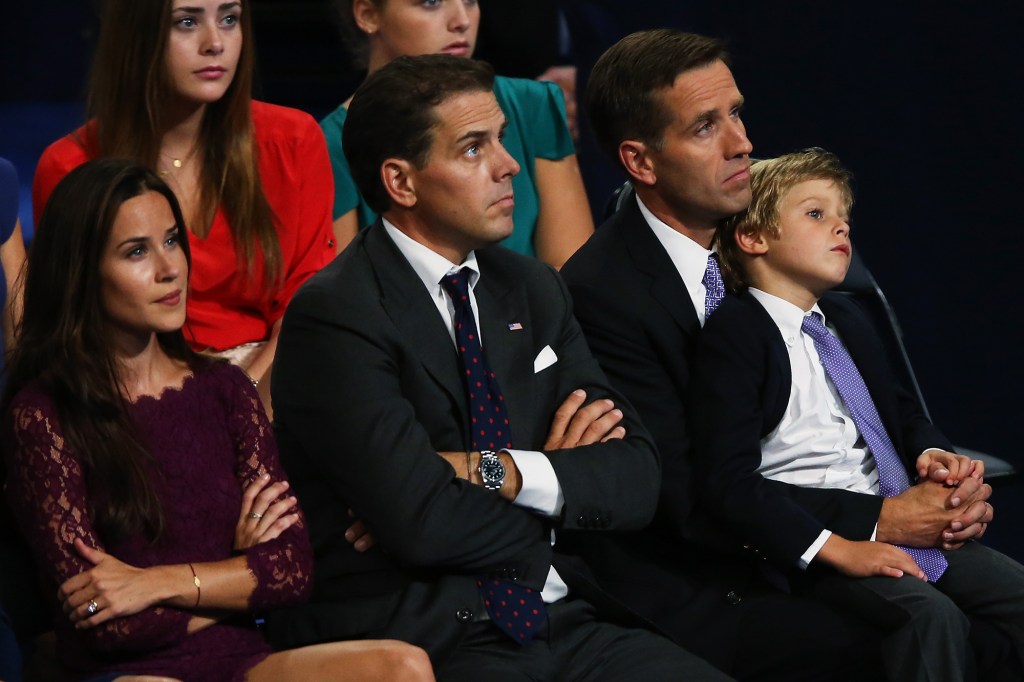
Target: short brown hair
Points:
(623, 92)
(770, 179)
(393, 115)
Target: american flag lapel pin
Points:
(515, 326)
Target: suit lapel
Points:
(650, 257)
(407, 303)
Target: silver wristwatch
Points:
(492, 471)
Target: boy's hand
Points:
(948, 467)
(867, 559)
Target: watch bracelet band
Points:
(486, 457)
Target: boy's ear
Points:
(751, 243)
(399, 181)
(634, 158)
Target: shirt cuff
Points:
(812, 551)
(541, 491)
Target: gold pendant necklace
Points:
(177, 162)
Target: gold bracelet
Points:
(198, 584)
(469, 473)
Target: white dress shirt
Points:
(816, 444)
(541, 491)
(689, 257)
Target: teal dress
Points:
(536, 129)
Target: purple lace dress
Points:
(207, 439)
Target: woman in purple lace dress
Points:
(144, 476)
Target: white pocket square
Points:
(544, 359)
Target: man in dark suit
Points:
(460, 460)
(665, 105)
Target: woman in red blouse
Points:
(170, 89)
(145, 476)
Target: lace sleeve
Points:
(283, 567)
(47, 492)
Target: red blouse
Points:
(225, 307)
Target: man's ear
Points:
(635, 159)
(399, 181)
(751, 243)
(366, 16)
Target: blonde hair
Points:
(770, 179)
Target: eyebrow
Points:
(712, 114)
(472, 135)
(223, 7)
(480, 134)
(845, 209)
(173, 229)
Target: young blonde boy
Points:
(791, 388)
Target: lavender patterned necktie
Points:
(713, 286)
(892, 477)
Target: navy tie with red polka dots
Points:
(517, 610)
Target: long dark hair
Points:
(64, 342)
(128, 91)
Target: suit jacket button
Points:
(513, 573)
(733, 597)
(582, 521)
(464, 615)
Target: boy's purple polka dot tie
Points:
(892, 477)
(517, 610)
(714, 288)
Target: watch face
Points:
(492, 471)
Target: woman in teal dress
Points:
(552, 217)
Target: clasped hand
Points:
(948, 507)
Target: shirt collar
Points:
(429, 265)
(689, 257)
(788, 317)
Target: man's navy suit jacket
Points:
(687, 573)
(368, 387)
